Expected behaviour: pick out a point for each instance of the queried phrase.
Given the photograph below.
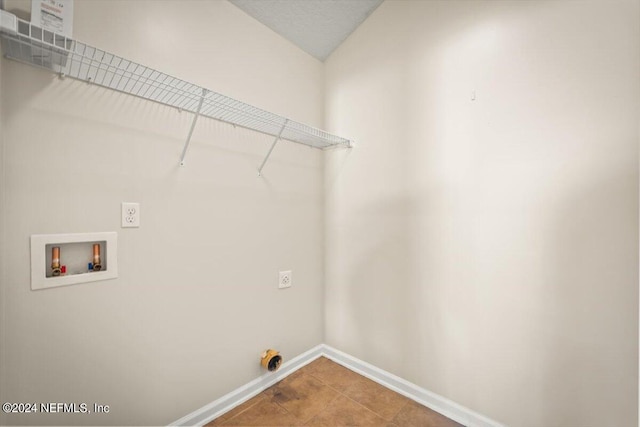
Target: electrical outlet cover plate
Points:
(130, 214)
(285, 279)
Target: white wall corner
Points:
(418, 394)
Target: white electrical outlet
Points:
(130, 215)
(285, 279)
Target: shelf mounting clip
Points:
(193, 125)
(275, 141)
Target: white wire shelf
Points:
(35, 46)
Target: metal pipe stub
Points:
(271, 360)
(97, 266)
(55, 261)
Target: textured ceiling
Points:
(316, 26)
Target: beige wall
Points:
(196, 300)
(487, 250)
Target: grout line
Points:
(321, 410)
(312, 376)
(401, 409)
(387, 389)
(368, 409)
(361, 404)
(353, 400)
(224, 419)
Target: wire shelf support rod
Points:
(275, 141)
(193, 125)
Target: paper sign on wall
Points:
(53, 15)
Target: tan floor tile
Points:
(316, 395)
(264, 413)
(287, 380)
(379, 399)
(416, 415)
(332, 374)
(238, 409)
(304, 396)
(345, 412)
(311, 365)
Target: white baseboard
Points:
(240, 395)
(442, 405)
(431, 400)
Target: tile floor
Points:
(324, 393)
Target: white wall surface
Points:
(196, 300)
(487, 250)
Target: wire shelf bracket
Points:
(193, 125)
(275, 141)
(67, 57)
